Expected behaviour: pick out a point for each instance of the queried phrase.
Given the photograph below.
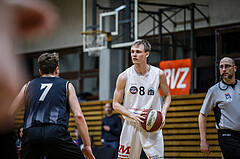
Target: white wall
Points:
(68, 31)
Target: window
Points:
(205, 46)
(230, 43)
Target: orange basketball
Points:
(152, 121)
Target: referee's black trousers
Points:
(229, 142)
(50, 140)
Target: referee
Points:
(48, 101)
(224, 99)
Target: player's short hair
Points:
(48, 62)
(145, 43)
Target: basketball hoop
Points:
(95, 41)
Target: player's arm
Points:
(80, 122)
(118, 98)
(166, 95)
(202, 119)
(18, 103)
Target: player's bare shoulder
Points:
(161, 73)
(162, 77)
(120, 86)
(121, 80)
(122, 76)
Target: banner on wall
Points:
(178, 74)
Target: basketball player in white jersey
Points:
(139, 86)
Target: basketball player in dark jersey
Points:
(48, 101)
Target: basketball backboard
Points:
(117, 18)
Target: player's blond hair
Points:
(145, 43)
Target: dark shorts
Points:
(229, 142)
(53, 141)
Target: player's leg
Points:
(130, 146)
(153, 144)
(60, 144)
(32, 146)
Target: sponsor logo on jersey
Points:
(228, 97)
(151, 91)
(124, 150)
(133, 90)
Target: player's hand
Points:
(205, 147)
(138, 117)
(106, 128)
(87, 151)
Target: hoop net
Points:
(95, 42)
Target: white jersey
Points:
(142, 91)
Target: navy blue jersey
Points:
(46, 102)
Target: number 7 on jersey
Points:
(47, 87)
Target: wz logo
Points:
(176, 80)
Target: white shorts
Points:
(134, 138)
